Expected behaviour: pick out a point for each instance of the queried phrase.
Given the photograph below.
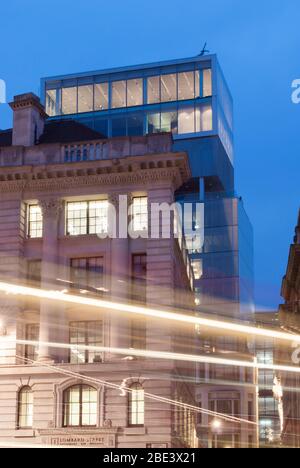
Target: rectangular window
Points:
(140, 214)
(34, 221)
(153, 90)
(69, 100)
(118, 94)
(169, 87)
(101, 96)
(85, 98)
(134, 92)
(169, 122)
(86, 334)
(206, 119)
(207, 83)
(197, 268)
(87, 273)
(32, 332)
(186, 120)
(186, 85)
(87, 217)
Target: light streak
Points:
(150, 396)
(147, 312)
(165, 355)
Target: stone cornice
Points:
(173, 167)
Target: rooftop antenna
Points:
(204, 50)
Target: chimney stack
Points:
(29, 119)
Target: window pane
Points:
(136, 405)
(135, 125)
(77, 218)
(186, 121)
(140, 213)
(69, 100)
(118, 94)
(206, 118)
(207, 82)
(52, 102)
(186, 85)
(35, 221)
(118, 127)
(154, 123)
(101, 96)
(134, 92)
(25, 408)
(197, 83)
(153, 91)
(169, 87)
(169, 122)
(85, 98)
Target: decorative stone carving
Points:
(51, 207)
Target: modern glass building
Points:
(190, 99)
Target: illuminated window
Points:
(25, 408)
(186, 85)
(34, 221)
(85, 98)
(69, 100)
(86, 334)
(206, 119)
(134, 92)
(87, 217)
(186, 120)
(136, 405)
(207, 83)
(87, 273)
(32, 332)
(169, 122)
(118, 94)
(169, 87)
(101, 96)
(153, 89)
(140, 213)
(80, 406)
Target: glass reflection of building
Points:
(190, 99)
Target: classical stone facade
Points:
(67, 395)
(289, 318)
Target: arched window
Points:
(25, 408)
(136, 405)
(80, 406)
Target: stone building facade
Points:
(57, 183)
(289, 318)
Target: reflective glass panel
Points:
(101, 96)
(153, 89)
(85, 98)
(186, 120)
(118, 94)
(169, 87)
(207, 82)
(134, 92)
(186, 85)
(69, 100)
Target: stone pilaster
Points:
(120, 271)
(50, 312)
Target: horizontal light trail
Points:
(147, 312)
(164, 355)
(125, 389)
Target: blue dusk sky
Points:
(258, 45)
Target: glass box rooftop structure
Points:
(188, 97)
